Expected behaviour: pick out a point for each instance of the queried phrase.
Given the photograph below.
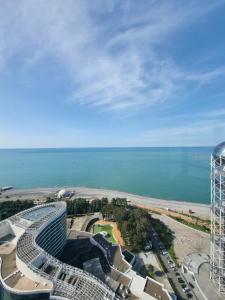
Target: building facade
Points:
(30, 244)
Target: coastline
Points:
(201, 210)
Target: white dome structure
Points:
(64, 193)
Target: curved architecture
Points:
(217, 255)
(30, 243)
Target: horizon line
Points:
(104, 147)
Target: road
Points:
(173, 273)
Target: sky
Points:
(105, 73)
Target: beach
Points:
(199, 209)
(186, 239)
(177, 173)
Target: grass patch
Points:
(172, 253)
(150, 270)
(154, 212)
(163, 268)
(107, 228)
(196, 218)
(195, 226)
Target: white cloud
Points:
(217, 113)
(201, 129)
(202, 133)
(107, 48)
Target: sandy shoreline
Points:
(202, 210)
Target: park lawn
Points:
(107, 228)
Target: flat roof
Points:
(21, 282)
(37, 214)
(114, 256)
(72, 280)
(14, 277)
(8, 263)
(155, 289)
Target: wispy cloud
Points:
(108, 49)
(201, 133)
(202, 129)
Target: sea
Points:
(172, 173)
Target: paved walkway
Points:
(206, 284)
(175, 214)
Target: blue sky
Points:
(112, 73)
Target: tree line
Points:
(74, 207)
(10, 208)
(83, 206)
(134, 223)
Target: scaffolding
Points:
(217, 245)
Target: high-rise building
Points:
(217, 255)
(31, 244)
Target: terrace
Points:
(108, 229)
(156, 290)
(113, 253)
(14, 278)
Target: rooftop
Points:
(37, 214)
(68, 280)
(14, 278)
(219, 150)
(156, 290)
(21, 282)
(8, 263)
(113, 252)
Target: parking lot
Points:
(185, 289)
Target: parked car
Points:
(148, 246)
(164, 252)
(191, 285)
(185, 288)
(189, 295)
(180, 280)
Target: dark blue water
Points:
(181, 173)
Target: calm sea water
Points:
(168, 173)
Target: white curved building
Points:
(30, 243)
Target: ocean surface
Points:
(181, 173)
